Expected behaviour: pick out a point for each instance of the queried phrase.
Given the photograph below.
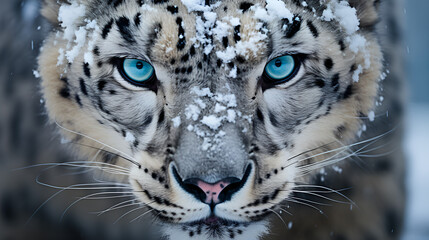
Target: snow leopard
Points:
(234, 119)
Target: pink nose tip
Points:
(212, 191)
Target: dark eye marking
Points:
(294, 27)
(123, 24)
(106, 29)
(83, 87)
(86, 70)
(313, 29)
(137, 19)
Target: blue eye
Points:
(281, 69)
(136, 71)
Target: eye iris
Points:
(279, 69)
(137, 70)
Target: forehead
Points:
(172, 31)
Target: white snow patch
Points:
(356, 73)
(212, 121)
(192, 112)
(176, 121)
(129, 137)
(68, 16)
(36, 74)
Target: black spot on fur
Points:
(181, 34)
(185, 58)
(342, 45)
(96, 51)
(335, 82)
(244, 6)
(265, 199)
(160, 1)
(161, 116)
(319, 82)
(192, 50)
(140, 2)
(292, 28)
(64, 92)
(83, 87)
(136, 143)
(137, 20)
(106, 29)
(313, 29)
(86, 70)
(101, 84)
(348, 92)
(172, 9)
(329, 63)
(240, 59)
(116, 3)
(123, 24)
(259, 115)
(200, 65)
(225, 42)
(237, 33)
(77, 98)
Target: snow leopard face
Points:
(214, 110)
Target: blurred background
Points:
(25, 140)
(416, 45)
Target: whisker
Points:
(110, 197)
(305, 204)
(278, 215)
(309, 201)
(329, 189)
(119, 206)
(80, 199)
(320, 196)
(133, 210)
(129, 158)
(142, 215)
(104, 150)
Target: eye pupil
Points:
(139, 65)
(278, 63)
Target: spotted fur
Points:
(284, 136)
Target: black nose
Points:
(213, 193)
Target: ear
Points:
(51, 8)
(367, 11)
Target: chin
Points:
(214, 228)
